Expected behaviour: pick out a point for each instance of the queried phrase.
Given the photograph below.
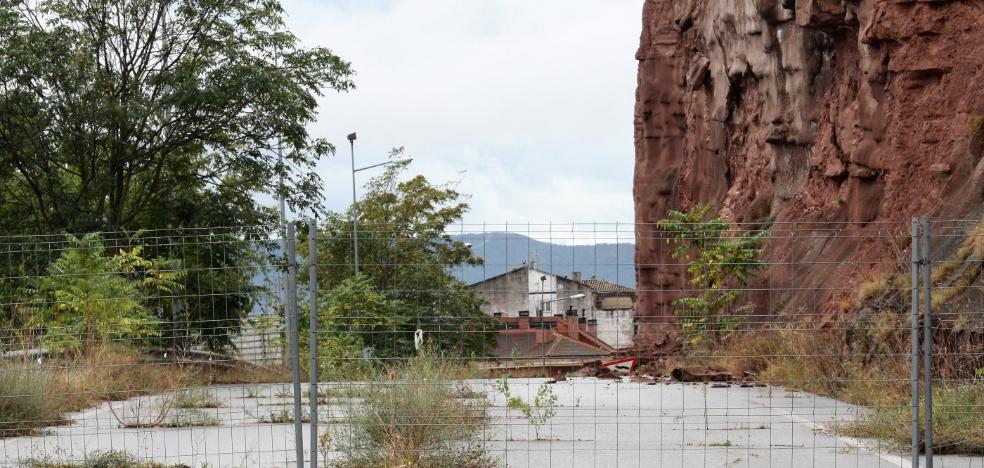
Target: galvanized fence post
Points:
(313, 305)
(914, 372)
(927, 342)
(292, 339)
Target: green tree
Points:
(354, 315)
(720, 261)
(407, 255)
(91, 296)
(123, 115)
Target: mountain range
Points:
(503, 251)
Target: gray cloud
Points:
(528, 103)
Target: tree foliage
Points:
(118, 114)
(406, 261)
(90, 295)
(720, 261)
(123, 115)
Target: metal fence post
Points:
(292, 339)
(313, 305)
(914, 373)
(927, 265)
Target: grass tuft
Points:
(196, 399)
(958, 421)
(108, 459)
(412, 416)
(25, 400)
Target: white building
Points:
(528, 291)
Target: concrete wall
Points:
(520, 289)
(506, 294)
(616, 327)
(615, 303)
(554, 288)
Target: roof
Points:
(563, 346)
(601, 285)
(490, 278)
(516, 345)
(597, 285)
(524, 345)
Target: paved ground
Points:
(598, 424)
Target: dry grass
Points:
(33, 397)
(110, 459)
(411, 417)
(865, 364)
(958, 420)
(25, 399)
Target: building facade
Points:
(530, 292)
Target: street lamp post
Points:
(355, 206)
(355, 212)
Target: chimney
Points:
(577, 276)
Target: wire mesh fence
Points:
(683, 343)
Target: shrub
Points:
(90, 296)
(718, 261)
(412, 418)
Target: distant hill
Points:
(504, 251)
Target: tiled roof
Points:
(563, 346)
(523, 345)
(516, 345)
(605, 286)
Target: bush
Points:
(91, 296)
(413, 418)
(26, 400)
(720, 261)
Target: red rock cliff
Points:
(856, 112)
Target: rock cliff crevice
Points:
(855, 112)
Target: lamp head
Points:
(351, 136)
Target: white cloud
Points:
(529, 103)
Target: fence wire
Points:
(530, 345)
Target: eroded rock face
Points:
(862, 112)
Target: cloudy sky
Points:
(527, 103)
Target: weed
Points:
(343, 391)
(284, 416)
(194, 418)
(957, 423)
(25, 399)
(105, 373)
(196, 398)
(108, 459)
(412, 418)
(324, 445)
(537, 412)
(465, 392)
